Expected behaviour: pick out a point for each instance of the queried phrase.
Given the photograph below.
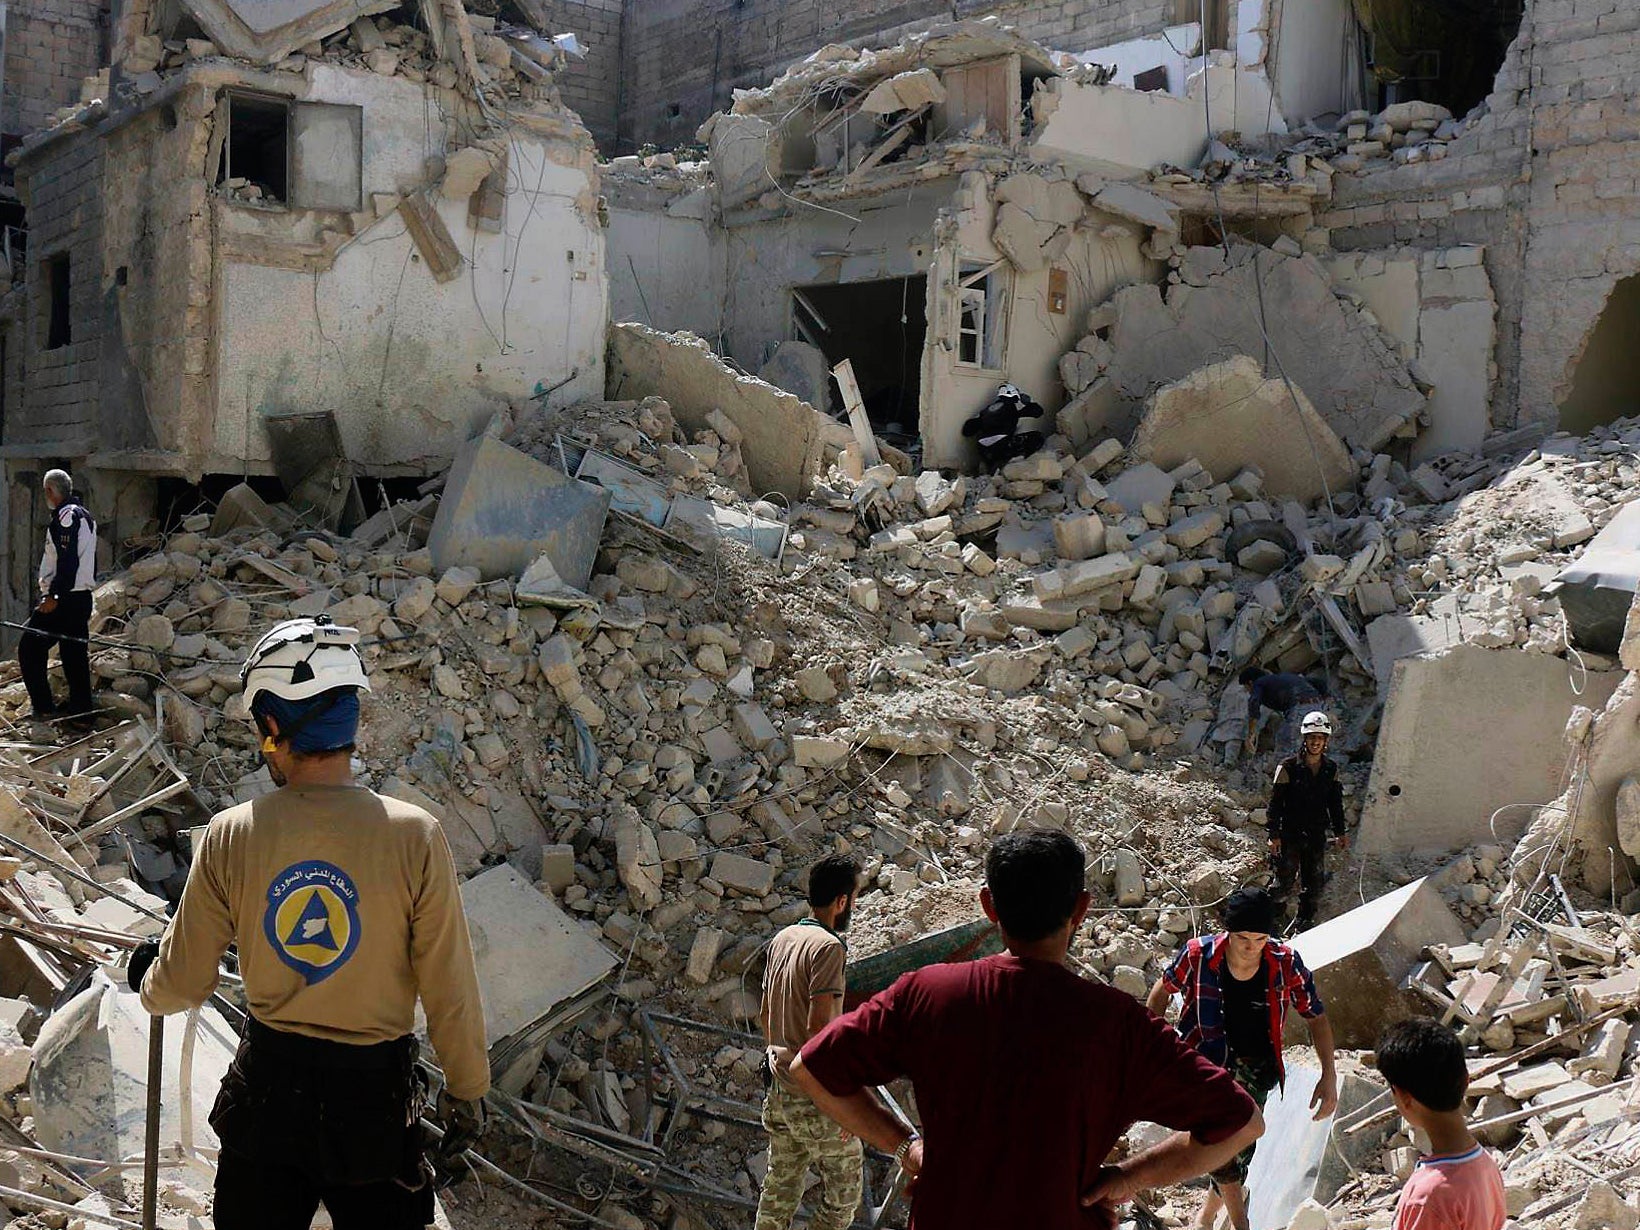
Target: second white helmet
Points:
(1316, 723)
(302, 658)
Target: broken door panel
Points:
(326, 168)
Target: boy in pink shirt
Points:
(1457, 1185)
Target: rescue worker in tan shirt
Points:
(803, 985)
(345, 909)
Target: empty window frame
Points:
(982, 316)
(56, 314)
(305, 154)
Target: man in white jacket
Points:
(63, 616)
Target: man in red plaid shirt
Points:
(1237, 987)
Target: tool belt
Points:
(339, 1113)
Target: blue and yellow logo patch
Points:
(312, 919)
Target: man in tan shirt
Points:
(345, 909)
(802, 992)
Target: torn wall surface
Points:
(1350, 372)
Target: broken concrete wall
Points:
(1360, 958)
(1229, 416)
(1559, 223)
(1438, 305)
(1345, 365)
(783, 438)
(1125, 132)
(1314, 76)
(50, 47)
(666, 258)
(266, 31)
(410, 363)
(683, 58)
(1467, 732)
(1047, 310)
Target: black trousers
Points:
(66, 627)
(302, 1120)
(1302, 861)
(261, 1194)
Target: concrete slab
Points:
(532, 957)
(1229, 416)
(1496, 716)
(1294, 1161)
(90, 1077)
(1357, 384)
(1359, 959)
(266, 31)
(502, 509)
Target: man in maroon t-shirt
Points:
(1025, 1074)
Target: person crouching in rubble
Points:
(1025, 1075)
(802, 993)
(1236, 988)
(1285, 699)
(1306, 800)
(344, 907)
(993, 428)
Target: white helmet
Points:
(1012, 392)
(301, 658)
(1316, 723)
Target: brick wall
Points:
(1561, 225)
(592, 86)
(51, 45)
(684, 58)
(61, 187)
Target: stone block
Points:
(1360, 958)
(746, 875)
(703, 955)
(1139, 485)
(1079, 536)
(558, 866)
(1228, 416)
(753, 727)
(501, 509)
(818, 751)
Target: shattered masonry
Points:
(651, 627)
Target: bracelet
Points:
(905, 1147)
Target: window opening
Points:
(57, 282)
(982, 315)
(256, 154)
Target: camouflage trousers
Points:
(801, 1138)
(1258, 1079)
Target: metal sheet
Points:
(630, 492)
(767, 538)
(502, 510)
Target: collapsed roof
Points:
(266, 31)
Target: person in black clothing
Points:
(63, 617)
(1306, 801)
(993, 428)
(1286, 696)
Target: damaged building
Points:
(267, 247)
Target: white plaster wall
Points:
(1310, 52)
(891, 236)
(1174, 49)
(666, 269)
(1126, 132)
(410, 366)
(1103, 256)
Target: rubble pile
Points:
(927, 662)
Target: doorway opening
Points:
(880, 326)
(1607, 384)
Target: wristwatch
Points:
(905, 1148)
